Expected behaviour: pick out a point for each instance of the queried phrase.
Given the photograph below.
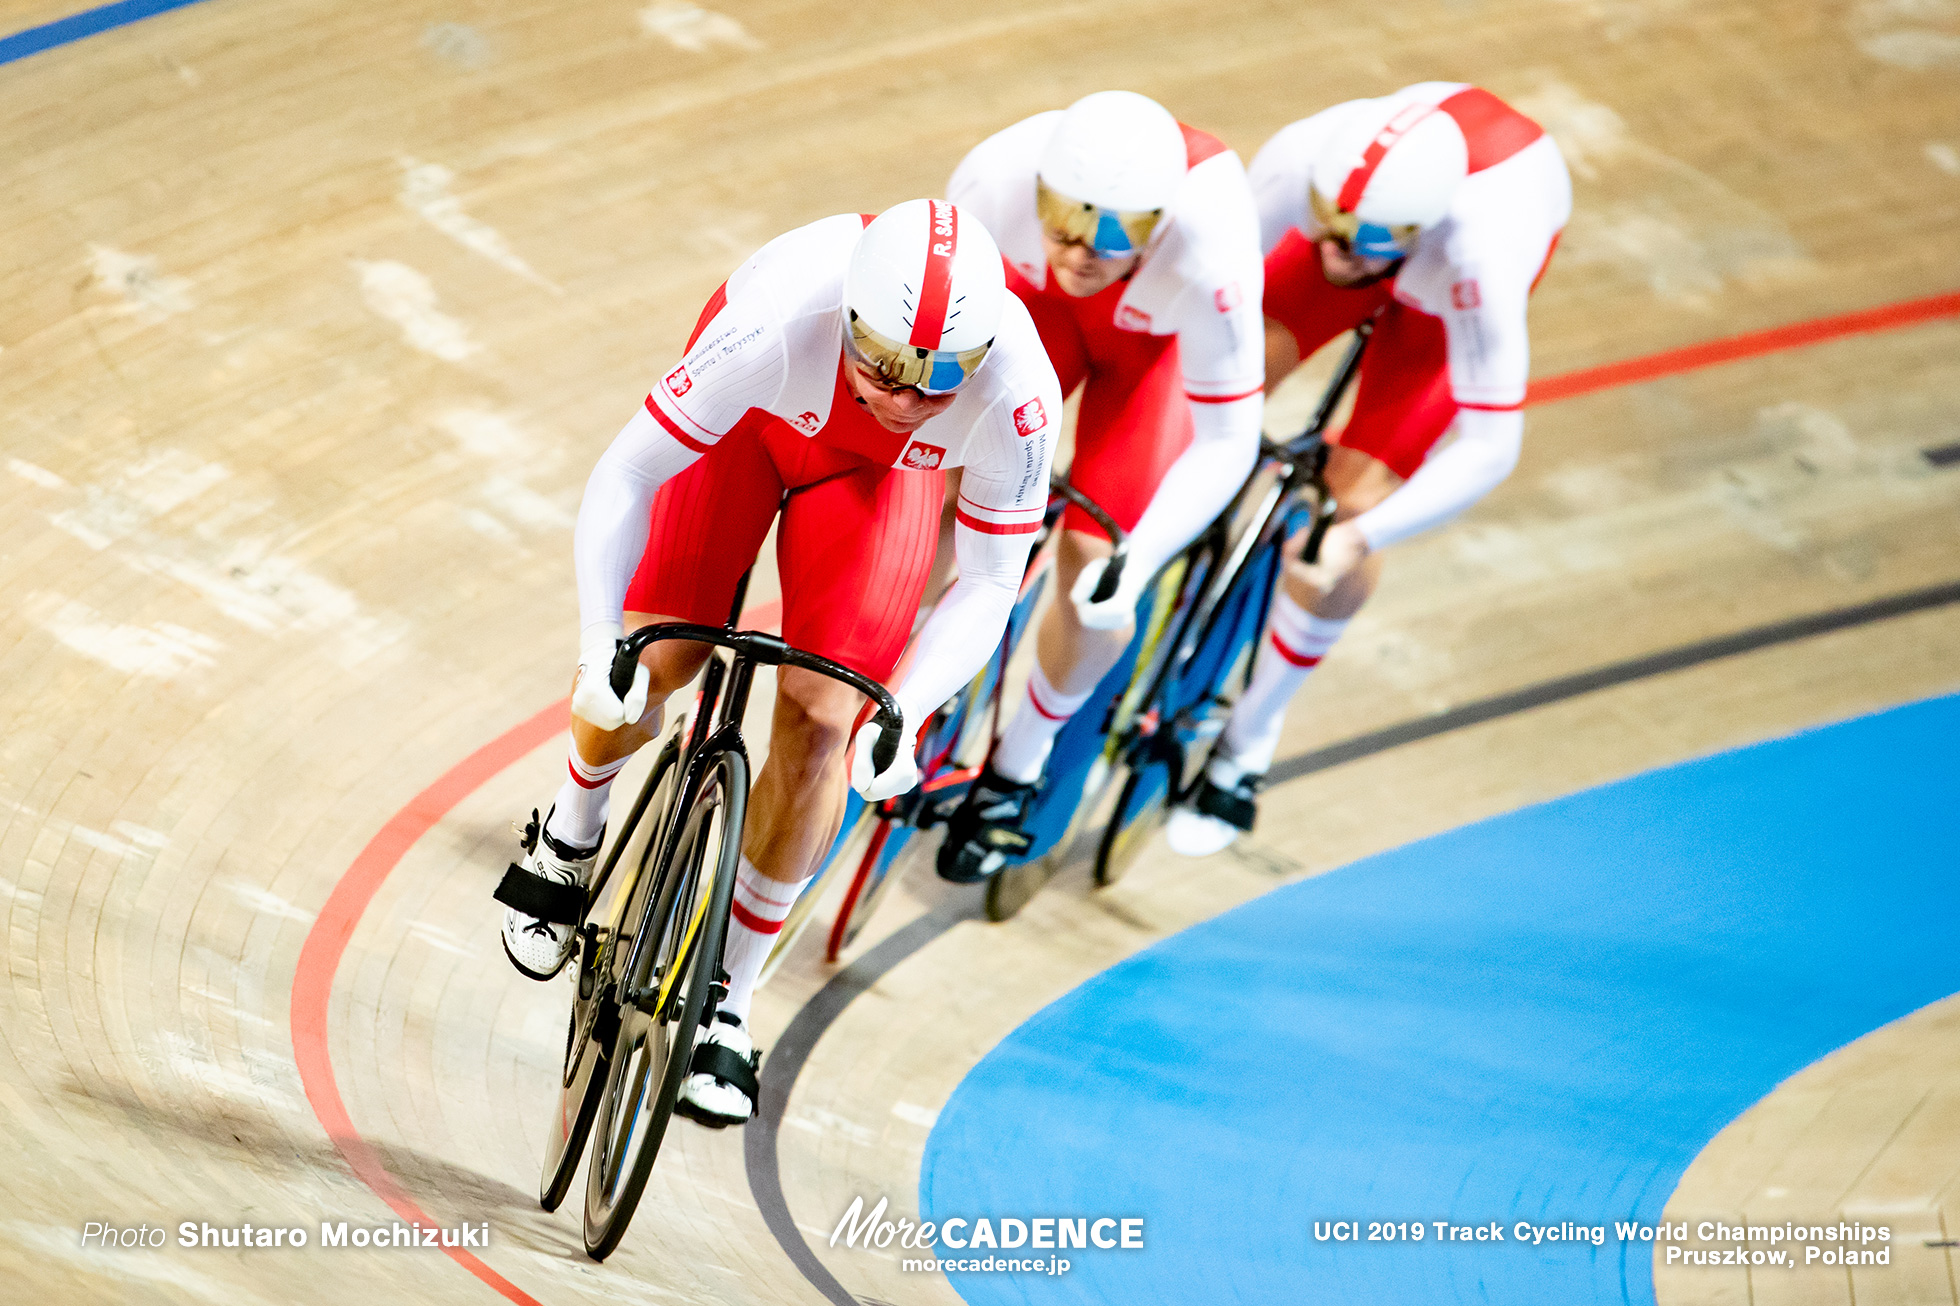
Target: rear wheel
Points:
(667, 1003)
(1013, 887)
(578, 1101)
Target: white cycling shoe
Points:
(1195, 834)
(544, 897)
(722, 1088)
(1219, 812)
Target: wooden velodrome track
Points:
(315, 317)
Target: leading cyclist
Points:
(1134, 243)
(833, 377)
(1433, 211)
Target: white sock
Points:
(1023, 747)
(761, 904)
(1296, 642)
(578, 817)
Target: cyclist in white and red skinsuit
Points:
(1433, 211)
(1134, 243)
(832, 379)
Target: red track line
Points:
(1886, 317)
(325, 943)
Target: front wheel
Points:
(595, 1018)
(665, 1002)
(1142, 806)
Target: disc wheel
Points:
(1013, 887)
(654, 1042)
(578, 1102)
(1142, 806)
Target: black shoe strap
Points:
(727, 1066)
(534, 895)
(1236, 807)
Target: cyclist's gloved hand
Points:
(1114, 612)
(593, 700)
(895, 779)
(1341, 551)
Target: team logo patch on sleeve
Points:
(678, 382)
(808, 422)
(1030, 416)
(1227, 297)
(1464, 294)
(922, 456)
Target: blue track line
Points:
(63, 31)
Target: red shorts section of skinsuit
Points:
(1402, 402)
(1134, 420)
(854, 548)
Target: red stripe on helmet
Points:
(1492, 130)
(942, 240)
(1199, 146)
(1392, 131)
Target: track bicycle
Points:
(649, 974)
(1158, 710)
(953, 748)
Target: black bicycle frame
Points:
(1304, 460)
(717, 727)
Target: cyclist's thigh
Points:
(1133, 423)
(1358, 481)
(855, 551)
(707, 524)
(1402, 402)
(1299, 298)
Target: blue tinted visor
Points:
(1371, 240)
(1111, 233)
(929, 371)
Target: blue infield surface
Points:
(1543, 1017)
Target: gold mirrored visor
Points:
(1368, 239)
(929, 371)
(1111, 233)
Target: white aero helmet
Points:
(1389, 170)
(1110, 170)
(922, 296)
